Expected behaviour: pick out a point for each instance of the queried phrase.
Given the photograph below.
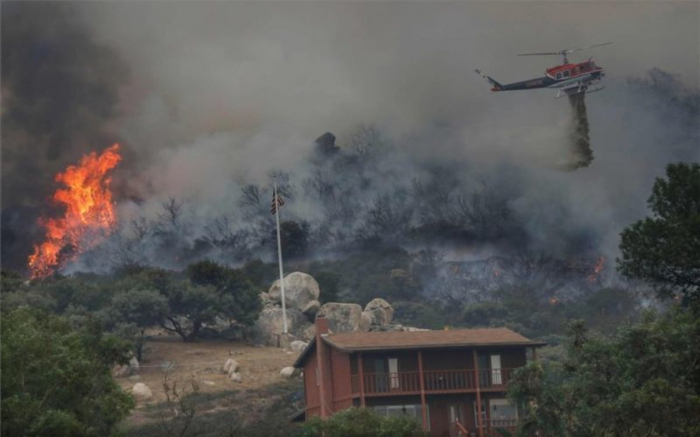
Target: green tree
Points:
(645, 381)
(132, 311)
(207, 273)
(56, 380)
(212, 293)
(665, 249)
(189, 308)
(537, 390)
(361, 422)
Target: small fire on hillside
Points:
(597, 269)
(89, 212)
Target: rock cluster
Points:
(302, 301)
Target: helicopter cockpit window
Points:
(559, 75)
(566, 73)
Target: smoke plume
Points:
(219, 96)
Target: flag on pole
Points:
(276, 202)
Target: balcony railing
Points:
(435, 381)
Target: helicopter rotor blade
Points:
(540, 54)
(564, 52)
(586, 48)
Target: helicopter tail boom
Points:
(496, 86)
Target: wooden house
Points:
(442, 378)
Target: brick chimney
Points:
(321, 325)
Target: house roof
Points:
(359, 341)
(371, 341)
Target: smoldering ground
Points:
(219, 95)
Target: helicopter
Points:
(569, 79)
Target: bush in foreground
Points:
(361, 422)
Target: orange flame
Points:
(89, 213)
(597, 269)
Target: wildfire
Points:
(89, 212)
(597, 269)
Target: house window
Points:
(386, 374)
(502, 412)
(496, 378)
(393, 373)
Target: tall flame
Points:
(89, 212)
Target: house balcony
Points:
(434, 382)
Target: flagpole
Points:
(279, 256)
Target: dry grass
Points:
(202, 361)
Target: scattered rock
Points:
(381, 311)
(235, 377)
(209, 383)
(134, 364)
(298, 345)
(140, 391)
(135, 378)
(230, 366)
(286, 340)
(287, 372)
(299, 290)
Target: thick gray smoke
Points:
(580, 141)
(221, 95)
(60, 91)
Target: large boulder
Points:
(300, 289)
(380, 311)
(343, 317)
(269, 327)
(365, 321)
(311, 309)
(287, 372)
(140, 391)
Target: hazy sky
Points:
(303, 65)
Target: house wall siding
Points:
(311, 391)
(342, 390)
